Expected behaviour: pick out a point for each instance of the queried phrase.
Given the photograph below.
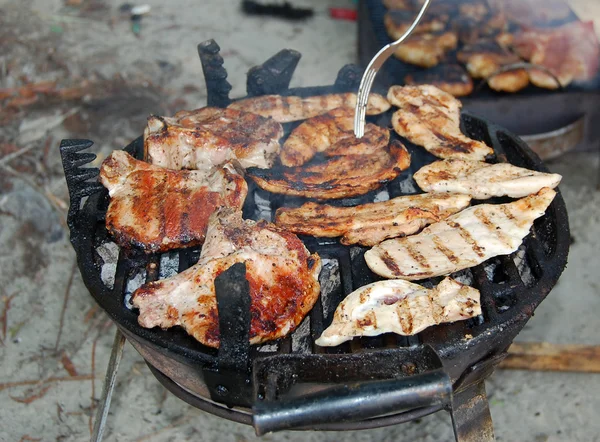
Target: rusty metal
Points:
(471, 417)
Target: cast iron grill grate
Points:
(464, 352)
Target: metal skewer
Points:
(369, 76)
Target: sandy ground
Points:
(102, 83)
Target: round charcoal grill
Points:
(292, 383)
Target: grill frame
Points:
(199, 369)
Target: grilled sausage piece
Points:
(430, 118)
(461, 241)
(159, 209)
(292, 108)
(483, 180)
(282, 274)
(369, 224)
(336, 177)
(401, 307)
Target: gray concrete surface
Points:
(55, 341)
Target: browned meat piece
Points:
(476, 10)
(332, 133)
(463, 240)
(336, 177)
(369, 224)
(426, 50)
(532, 12)
(397, 22)
(159, 209)
(282, 274)
(570, 52)
(407, 5)
(485, 57)
(451, 78)
(286, 109)
(207, 137)
(430, 118)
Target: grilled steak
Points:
(369, 224)
(283, 280)
(426, 49)
(291, 108)
(336, 177)
(430, 118)
(399, 307)
(333, 133)
(483, 180)
(207, 137)
(451, 78)
(460, 241)
(159, 209)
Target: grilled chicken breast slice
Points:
(336, 177)
(401, 307)
(207, 137)
(461, 241)
(282, 274)
(430, 118)
(292, 108)
(483, 180)
(332, 133)
(159, 209)
(369, 224)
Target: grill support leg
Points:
(471, 416)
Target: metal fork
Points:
(369, 76)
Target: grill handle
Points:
(353, 402)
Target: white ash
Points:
(523, 267)
(354, 251)
(132, 285)
(267, 348)
(169, 265)
(490, 268)
(109, 252)
(330, 281)
(408, 187)
(383, 195)
(264, 207)
(463, 276)
(301, 342)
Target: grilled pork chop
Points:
(463, 240)
(207, 137)
(430, 118)
(159, 209)
(332, 133)
(483, 180)
(286, 109)
(336, 177)
(369, 224)
(283, 280)
(426, 49)
(401, 307)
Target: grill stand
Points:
(471, 418)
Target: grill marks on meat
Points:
(570, 52)
(336, 177)
(369, 224)
(207, 137)
(470, 237)
(399, 307)
(159, 209)
(426, 49)
(332, 133)
(485, 57)
(282, 274)
(450, 78)
(483, 180)
(430, 118)
(292, 108)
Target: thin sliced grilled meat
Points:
(401, 307)
(282, 274)
(426, 49)
(398, 21)
(450, 78)
(291, 108)
(207, 137)
(430, 117)
(159, 209)
(332, 133)
(336, 177)
(369, 224)
(483, 180)
(461, 241)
